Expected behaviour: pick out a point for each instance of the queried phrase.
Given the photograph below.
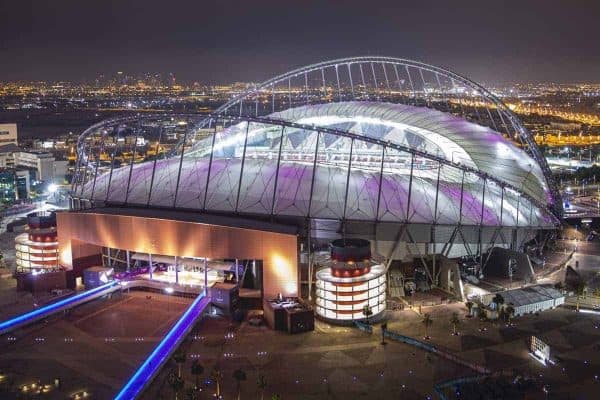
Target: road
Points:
(41, 206)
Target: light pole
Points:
(169, 290)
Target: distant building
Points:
(8, 134)
(46, 166)
(7, 158)
(14, 184)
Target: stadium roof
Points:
(346, 152)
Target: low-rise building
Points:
(45, 164)
(8, 134)
(14, 184)
(528, 299)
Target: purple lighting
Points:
(161, 353)
(55, 307)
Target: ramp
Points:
(65, 304)
(161, 353)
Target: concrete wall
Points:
(278, 252)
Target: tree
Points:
(427, 322)
(483, 314)
(498, 300)
(261, 382)
(469, 305)
(197, 369)
(239, 377)
(367, 312)
(580, 290)
(191, 394)
(216, 374)
(179, 358)
(275, 397)
(454, 321)
(176, 383)
(510, 311)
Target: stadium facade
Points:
(418, 160)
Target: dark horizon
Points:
(230, 41)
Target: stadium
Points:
(424, 164)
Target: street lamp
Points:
(169, 290)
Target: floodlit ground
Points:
(95, 348)
(574, 337)
(331, 362)
(340, 363)
(99, 345)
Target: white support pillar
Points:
(205, 277)
(150, 264)
(176, 271)
(128, 260)
(108, 257)
(237, 273)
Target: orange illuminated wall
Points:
(278, 251)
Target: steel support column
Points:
(210, 161)
(179, 169)
(312, 181)
(277, 172)
(347, 186)
(205, 276)
(237, 198)
(176, 270)
(154, 168)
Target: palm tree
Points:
(483, 314)
(367, 312)
(176, 383)
(191, 394)
(179, 358)
(498, 300)
(239, 377)
(197, 369)
(216, 374)
(261, 382)
(580, 290)
(454, 321)
(427, 322)
(509, 311)
(469, 305)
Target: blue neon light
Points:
(146, 371)
(49, 309)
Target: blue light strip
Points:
(159, 355)
(51, 308)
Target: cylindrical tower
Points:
(37, 249)
(350, 281)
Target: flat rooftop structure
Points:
(529, 295)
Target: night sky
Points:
(251, 40)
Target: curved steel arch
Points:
(524, 135)
(500, 108)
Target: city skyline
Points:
(511, 42)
